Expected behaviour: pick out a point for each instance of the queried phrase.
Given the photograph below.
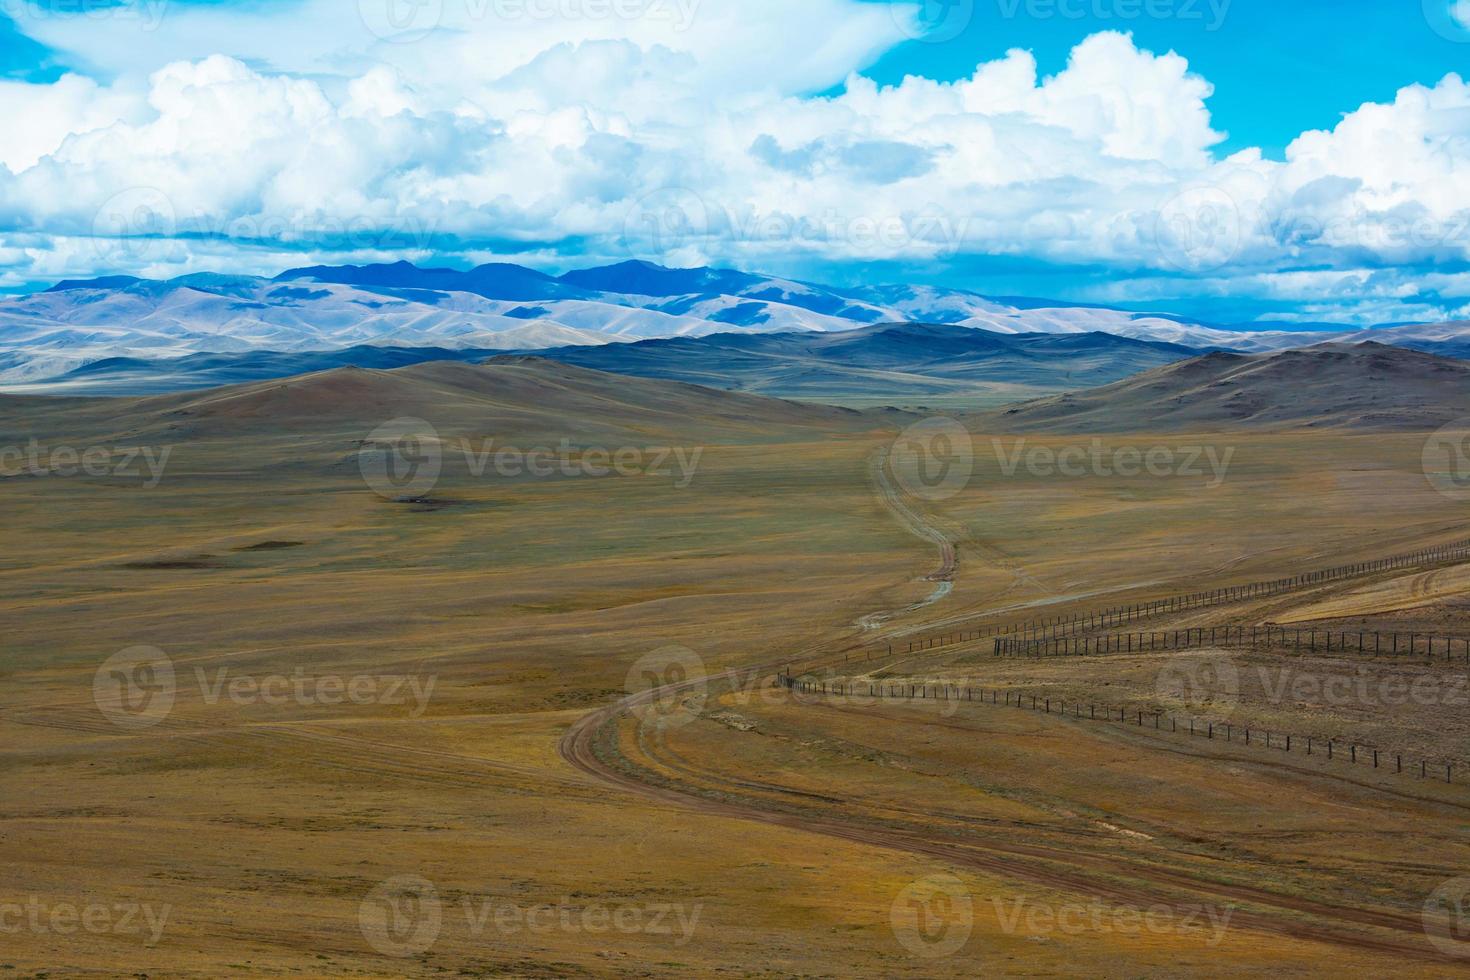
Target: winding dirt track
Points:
(1146, 884)
(893, 500)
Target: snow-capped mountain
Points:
(73, 324)
(511, 308)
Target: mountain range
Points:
(503, 307)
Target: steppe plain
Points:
(735, 829)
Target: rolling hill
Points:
(885, 364)
(524, 398)
(1333, 385)
(892, 363)
(120, 376)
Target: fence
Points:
(1286, 742)
(1119, 615)
(1452, 649)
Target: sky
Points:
(1237, 161)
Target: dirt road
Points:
(1093, 876)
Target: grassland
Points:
(789, 830)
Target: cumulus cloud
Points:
(216, 135)
(41, 117)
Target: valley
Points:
(734, 489)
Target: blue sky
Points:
(1279, 68)
(1233, 160)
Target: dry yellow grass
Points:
(263, 828)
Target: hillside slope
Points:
(891, 363)
(1334, 385)
(521, 398)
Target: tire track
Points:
(1275, 914)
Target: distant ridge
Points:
(525, 398)
(505, 307)
(494, 281)
(1332, 385)
(646, 279)
(890, 363)
(886, 364)
(105, 282)
(121, 376)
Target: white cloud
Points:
(41, 117)
(267, 129)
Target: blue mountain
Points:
(499, 280)
(646, 279)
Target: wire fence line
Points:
(1451, 649)
(1350, 751)
(1063, 626)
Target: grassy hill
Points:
(1337, 386)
